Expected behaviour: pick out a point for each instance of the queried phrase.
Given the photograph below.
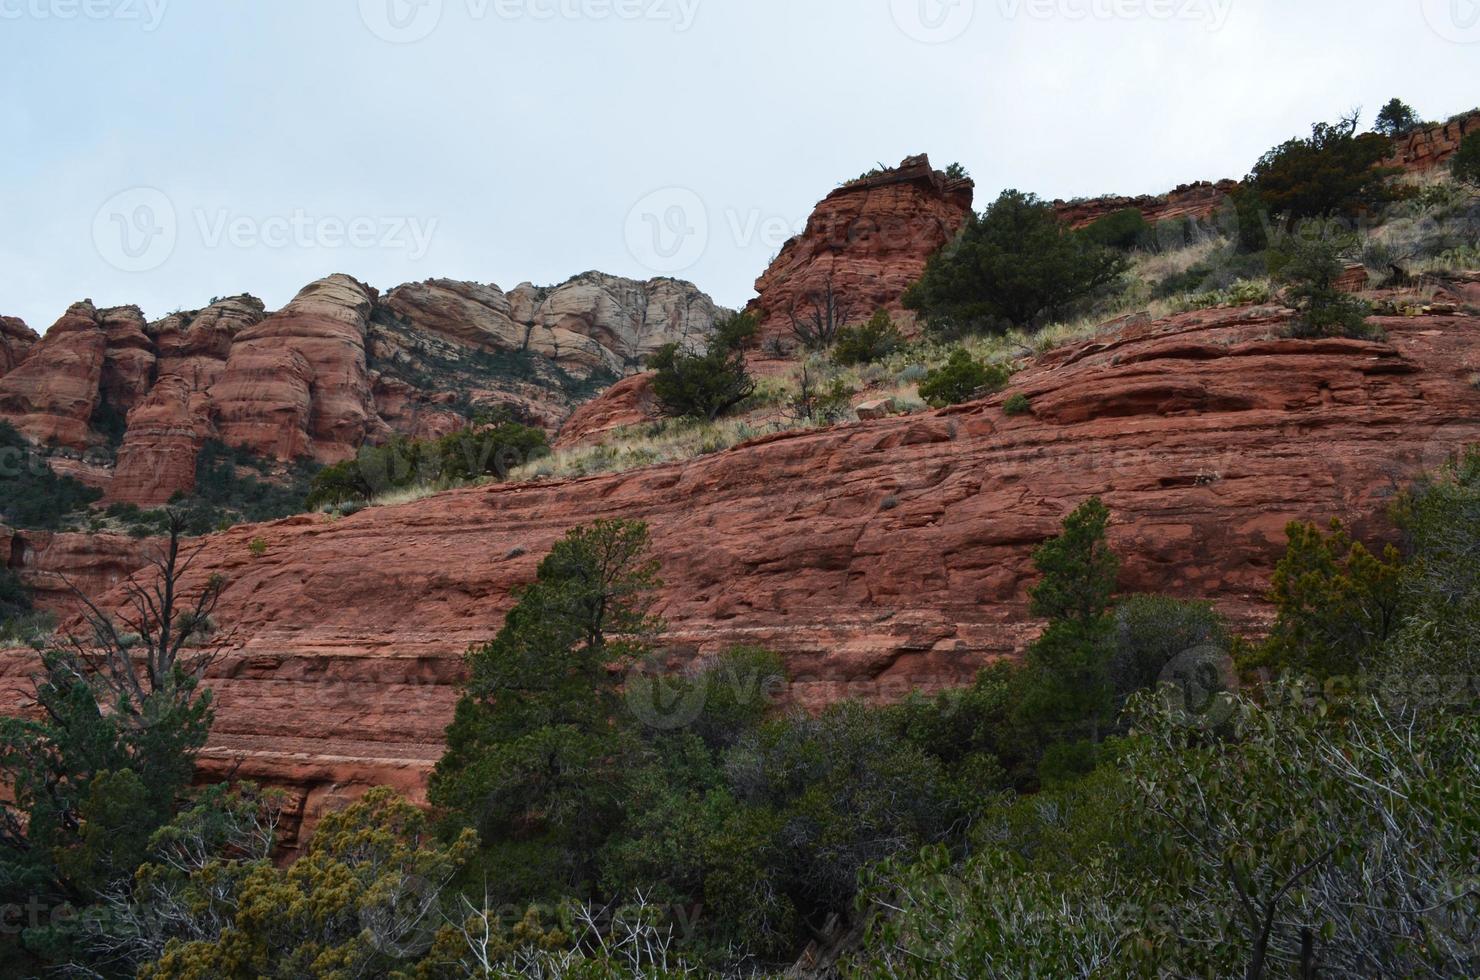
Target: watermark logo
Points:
(1454, 20)
(933, 21)
(136, 230)
(401, 21)
(1214, 13)
(668, 231)
(148, 14)
(1200, 683)
(665, 703)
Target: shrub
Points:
(1122, 230)
(1334, 172)
(961, 379)
(869, 343)
(1397, 118)
(1311, 266)
(1068, 687)
(15, 599)
(32, 497)
(708, 385)
(1466, 163)
(491, 447)
(1151, 631)
(1010, 265)
(1018, 405)
(1336, 604)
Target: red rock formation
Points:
(336, 369)
(1198, 202)
(94, 563)
(296, 385)
(53, 393)
(1204, 435)
(16, 341)
(629, 402)
(1433, 146)
(870, 239)
(165, 433)
(128, 359)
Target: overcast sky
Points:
(162, 152)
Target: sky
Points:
(164, 152)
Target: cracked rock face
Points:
(1205, 434)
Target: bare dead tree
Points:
(817, 316)
(161, 635)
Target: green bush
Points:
(1336, 603)
(961, 379)
(707, 385)
(1335, 172)
(32, 497)
(1018, 405)
(1466, 163)
(1122, 230)
(1312, 266)
(491, 447)
(1151, 631)
(1011, 265)
(15, 599)
(869, 343)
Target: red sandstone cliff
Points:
(338, 367)
(875, 557)
(1431, 147)
(16, 341)
(869, 240)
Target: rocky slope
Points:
(1422, 151)
(868, 241)
(1196, 202)
(338, 367)
(1431, 147)
(877, 557)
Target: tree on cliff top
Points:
(1011, 265)
(1397, 118)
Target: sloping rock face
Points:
(16, 341)
(629, 402)
(869, 240)
(45, 562)
(877, 558)
(1430, 148)
(339, 367)
(1198, 202)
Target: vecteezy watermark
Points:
(933, 21)
(1212, 12)
(138, 230)
(1201, 682)
(409, 21)
(401, 21)
(668, 230)
(299, 229)
(1454, 20)
(147, 13)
